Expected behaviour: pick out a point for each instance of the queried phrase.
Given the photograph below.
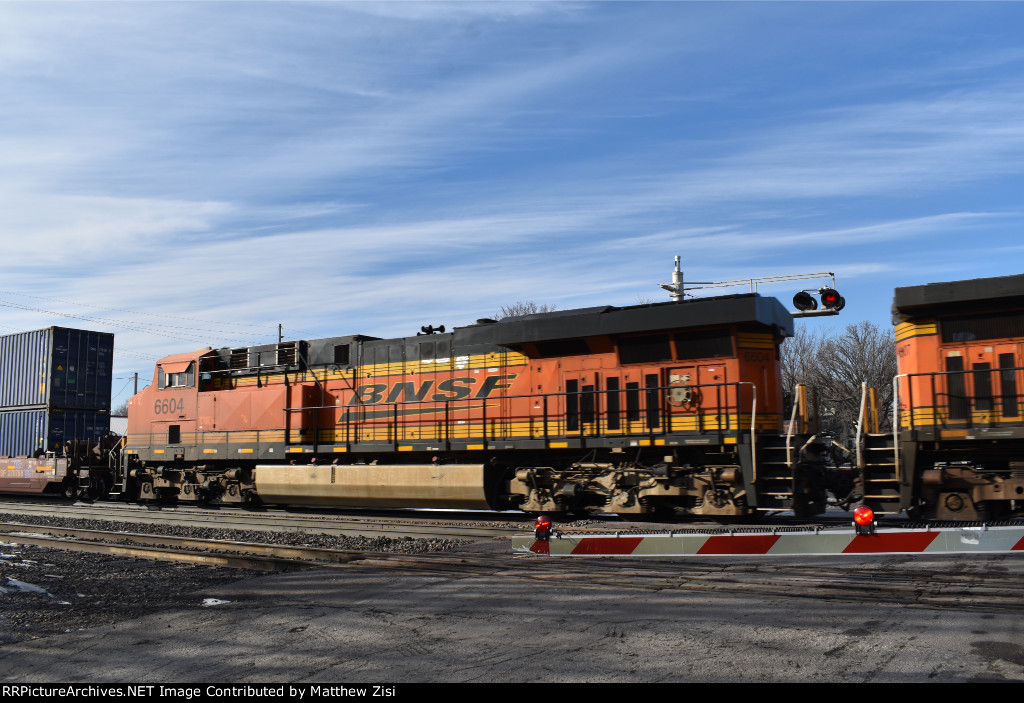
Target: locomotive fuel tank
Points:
(375, 485)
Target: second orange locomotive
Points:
(960, 346)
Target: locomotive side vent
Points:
(286, 353)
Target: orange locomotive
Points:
(667, 408)
(960, 347)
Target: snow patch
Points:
(27, 587)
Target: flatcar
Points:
(78, 469)
(960, 444)
(656, 409)
(55, 388)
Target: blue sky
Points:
(187, 174)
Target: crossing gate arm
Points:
(956, 540)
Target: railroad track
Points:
(987, 589)
(208, 552)
(415, 527)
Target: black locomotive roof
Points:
(976, 294)
(488, 335)
(609, 320)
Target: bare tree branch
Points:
(523, 307)
(835, 366)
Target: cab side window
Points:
(185, 378)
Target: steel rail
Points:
(417, 528)
(33, 535)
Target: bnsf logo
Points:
(450, 389)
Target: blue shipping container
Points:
(22, 432)
(56, 367)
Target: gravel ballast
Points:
(45, 591)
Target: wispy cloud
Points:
(192, 173)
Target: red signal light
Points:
(542, 528)
(864, 520)
(831, 299)
(863, 515)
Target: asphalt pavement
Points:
(376, 626)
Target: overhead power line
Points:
(133, 312)
(131, 325)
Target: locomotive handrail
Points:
(968, 420)
(792, 421)
(896, 419)
(858, 441)
(725, 405)
(114, 463)
(657, 420)
(351, 430)
(753, 429)
(898, 423)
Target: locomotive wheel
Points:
(916, 512)
(130, 491)
(992, 509)
(69, 491)
(166, 496)
(804, 506)
(97, 488)
(251, 501)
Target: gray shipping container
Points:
(22, 432)
(56, 367)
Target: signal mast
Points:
(804, 302)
